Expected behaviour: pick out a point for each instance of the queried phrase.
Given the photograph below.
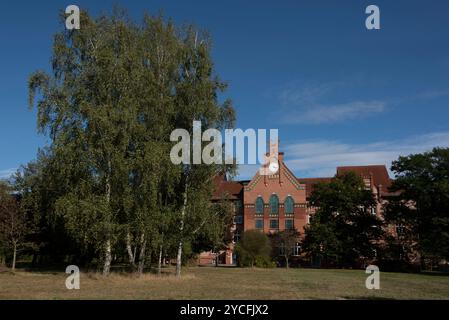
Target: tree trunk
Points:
(181, 229)
(178, 259)
(159, 264)
(131, 255)
(143, 244)
(286, 262)
(14, 257)
(108, 246)
(107, 258)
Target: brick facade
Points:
(280, 186)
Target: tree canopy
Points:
(116, 91)
(343, 231)
(420, 207)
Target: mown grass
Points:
(225, 283)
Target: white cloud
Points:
(320, 158)
(5, 174)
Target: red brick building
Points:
(277, 202)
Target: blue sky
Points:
(338, 93)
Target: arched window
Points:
(289, 204)
(274, 204)
(259, 205)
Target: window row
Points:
(274, 224)
(294, 250)
(289, 205)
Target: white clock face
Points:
(273, 167)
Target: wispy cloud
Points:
(335, 113)
(4, 174)
(306, 94)
(433, 94)
(320, 158)
(309, 105)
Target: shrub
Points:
(253, 250)
(264, 262)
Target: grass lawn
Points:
(226, 283)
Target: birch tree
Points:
(116, 91)
(13, 223)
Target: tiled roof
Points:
(234, 188)
(223, 186)
(379, 173)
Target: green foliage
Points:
(254, 247)
(264, 262)
(283, 244)
(14, 225)
(116, 91)
(420, 204)
(343, 230)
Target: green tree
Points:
(116, 92)
(284, 243)
(420, 205)
(254, 244)
(40, 184)
(13, 222)
(197, 99)
(215, 234)
(343, 230)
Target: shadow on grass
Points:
(57, 269)
(435, 273)
(367, 298)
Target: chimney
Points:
(281, 156)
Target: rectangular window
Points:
(274, 224)
(238, 219)
(236, 236)
(259, 224)
(259, 206)
(281, 249)
(288, 224)
(296, 249)
(238, 207)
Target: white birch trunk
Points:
(14, 257)
(107, 258)
(159, 265)
(181, 229)
(108, 246)
(131, 255)
(143, 244)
